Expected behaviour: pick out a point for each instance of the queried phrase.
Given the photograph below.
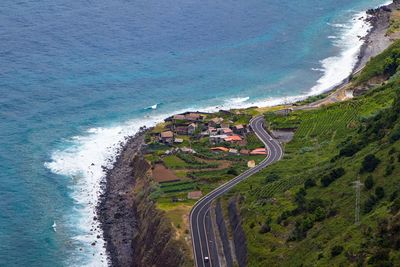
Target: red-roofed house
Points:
(226, 131)
(233, 138)
(259, 151)
(220, 148)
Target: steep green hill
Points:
(301, 211)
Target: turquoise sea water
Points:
(77, 76)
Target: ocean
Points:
(77, 77)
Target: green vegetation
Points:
(253, 142)
(394, 25)
(300, 211)
(177, 186)
(384, 64)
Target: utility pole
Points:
(357, 185)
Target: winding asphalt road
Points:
(203, 238)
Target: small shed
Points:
(195, 195)
(167, 137)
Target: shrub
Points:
(265, 228)
(301, 228)
(389, 170)
(369, 182)
(320, 214)
(369, 163)
(314, 203)
(232, 171)
(395, 207)
(309, 183)
(379, 192)
(395, 136)
(332, 176)
(286, 214)
(326, 181)
(271, 177)
(392, 151)
(370, 203)
(349, 150)
(336, 250)
(394, 195)
(379, 257)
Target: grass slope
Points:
(291, 222)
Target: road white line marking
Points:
(272, 145)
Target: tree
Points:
(369, 163)
(232, 171)
(395, 207)
(336, 250)
(265, 228)
(369, 182)
(337, 173)
(332, 176)
(309, 183)
(320, 214)
(326, 181)
(349, 150)
(370, 203)
(379, 192)
(272, 177)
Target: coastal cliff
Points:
(136, 233)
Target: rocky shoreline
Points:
(115, 210)
(376, 40)
(135, 231)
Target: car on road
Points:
(206, 259)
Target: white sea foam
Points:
(318, 69)
(338, 68)
(237, 100)
(82, 161)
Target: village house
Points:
(239, 129)
(212, 131)
(188, 150)
(178, 140)
(179, 117)
(214, 122)
(167, 137)
(233, 138)
(216, 139)
(244, 152)
(226, 131)
(194, 117)
(191, 128)
(181, 130)
(225, 125)
(233, 151)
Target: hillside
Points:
(301, 211)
